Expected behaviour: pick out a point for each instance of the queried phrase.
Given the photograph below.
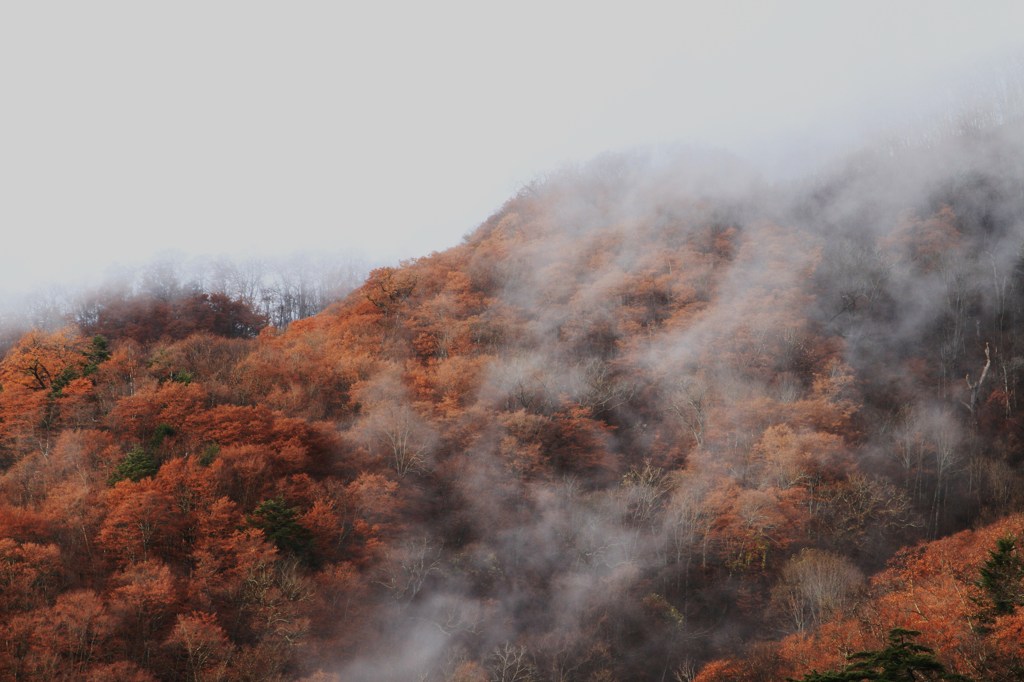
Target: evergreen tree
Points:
(96, 354)
(901, 661)
(280, 525)
(1002, 580)
(136, 465)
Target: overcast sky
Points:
(131, 128)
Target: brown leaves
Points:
(143, 522)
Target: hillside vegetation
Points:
(655, 419)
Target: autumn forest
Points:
(656, 419)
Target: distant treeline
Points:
(161, 297)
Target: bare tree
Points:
(689, 402)
(688, 521)
(814, 585)
(510, 663)
(975, 388)
(407, 568)
(403, 434)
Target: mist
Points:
(662, 406)
(282, 289)
(726, 340)
(350, 130)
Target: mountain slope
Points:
(600, 439)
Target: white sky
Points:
(394, 128)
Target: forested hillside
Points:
(657, 418)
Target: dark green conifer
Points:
(280, 525)
(1001, 580)
(136, 465)
(903, 660)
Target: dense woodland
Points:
(656, 419)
